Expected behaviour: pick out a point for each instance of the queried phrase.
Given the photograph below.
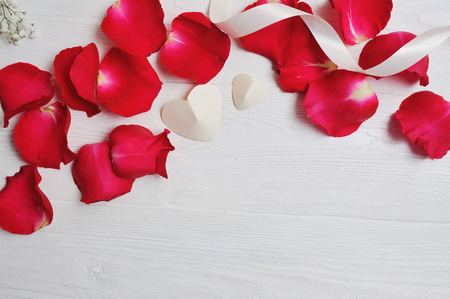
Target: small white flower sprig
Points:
(13, 25)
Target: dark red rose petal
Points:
(340, 102)
(24, 87)
(196, 48)
(384, 46)
(425, 119)
(84, 72)
(136, 152)
(24, 209)
(62, 65)
(136, 26)
(362, 20)
(93, 175)
(309, 64)
(279, 42)
(127, 84)
(41, 136)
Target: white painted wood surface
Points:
(272, 208)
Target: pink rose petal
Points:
(136, 152)
(136, 26)
(425, 119)
(24, 209)
(340, 102)
(279, 42)
(84, 72)
(24, 87)
(196, 48)
(41, 136)
(362, 20)
(62, 65)
(384, 46)
(309, 64)
(93, 175)
(127, 84)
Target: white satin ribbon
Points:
(262, 16)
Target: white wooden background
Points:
(272, 208)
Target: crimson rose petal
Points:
(279, 42)
(136, 26)
(195, 48)
(127, 84)
(425, 119)
(362, 20)
(24, 209)
(84, 71)
(41, 136)
(93, 175)
(24, 87)
(136, 152)
(340, 102)
(62, 65)
(383, 46)
(310, 64)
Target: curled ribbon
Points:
(262, 16)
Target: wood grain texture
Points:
(272, 208)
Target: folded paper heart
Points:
(198, 116)
(247, 93)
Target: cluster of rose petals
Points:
(338, 101)
(195, 48)
(124, 81)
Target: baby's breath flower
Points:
(12, 23)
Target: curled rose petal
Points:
(84, 71)
(279, 42)
(136, 152)
(127, 84)
(24, 87)
(384, 46)
(62, 65)
(195, 48)
(93, 175)
(425, 119)
(310, 64)
(362, 20)
(41, 136)
(24, 209)
(136, 26)
(340, 102)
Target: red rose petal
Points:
(62, 64)
(127, 84)
(136, 152)
(340, 102)
(24, 87)
(136, 26)
(425, 119)
(84, 71)
(24, 209)
(279, 42)
(309, 64)
(196, 48)
(361, 20)
(41, 136)
(92, 173)
(384, 46)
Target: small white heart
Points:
(198, 116)
(247, 93)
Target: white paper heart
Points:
(247, 93)
(198, 116)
